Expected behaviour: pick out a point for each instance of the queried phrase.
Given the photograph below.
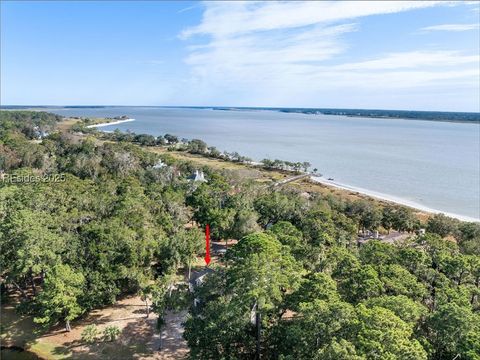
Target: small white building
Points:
(198, 176)
(198, 278)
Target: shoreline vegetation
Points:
(196, 146)
(393, 199)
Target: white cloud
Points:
(451, 27)
(413, 59)
(294, 54)
(188, 8)
(226, 19)
(313, 44)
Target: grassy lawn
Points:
(66, 124)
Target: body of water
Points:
(426, 164)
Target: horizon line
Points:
(233, 107)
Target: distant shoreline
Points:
(110, 123)
(391, 198)
(441, 116)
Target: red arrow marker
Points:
(207, 244)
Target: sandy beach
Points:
(110, 123)
(390, 198)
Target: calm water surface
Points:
(433, 164)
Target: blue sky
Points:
(382, 55)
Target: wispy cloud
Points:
(272, 53)
(413, 59)
(451, 27)
(226, 19)
(188, 8)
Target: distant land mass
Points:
(451, 116)
(373, 113)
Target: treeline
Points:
(193, 146)
(470, 117)
(174, 143)
(286, 165)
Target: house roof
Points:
(197, 176)
(199, 274)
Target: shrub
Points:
(89, 334)
(110, 333)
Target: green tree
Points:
(287, 234)
(197, 146)
(362, 284)
(399, 281)
(36, 243)
(317, 286)
(171, 139)
(60, 298)
(380, 334)
(406, 309)
(191, 243)
(146, 294)
(388, 218)
(468, 236)
(244, 223)
(318, 324)
(260, 272)
(376, 252)
(366, 214)
(222, 331)
(338, 350)
(441, 225)
(261, 268)
(454, 330)
(404, 220)
(319, 228)
(277, 206)
(209, 201)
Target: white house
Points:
(198, 176)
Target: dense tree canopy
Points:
(122, 220)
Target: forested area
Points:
(124, 220)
